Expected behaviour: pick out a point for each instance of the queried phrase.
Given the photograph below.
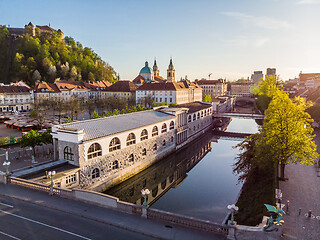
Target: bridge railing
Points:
(186, 221)
(33, 185)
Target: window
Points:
(171, 100)
(144, 135)
(171, 125)
(189, 118)
(114, 144)
(201, 113)
(71, 179)
(164, 128)
(194, 117)
(131, 157)
(155, 147)
(144, 152)
(131, 139)
(198, 117)
(115, 164)
(94, 151)
(95, 173)
(154, 131)
(163, 142)
(68, 155)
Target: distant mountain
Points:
(41, 53)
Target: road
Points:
(23, 220)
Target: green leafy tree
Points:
(95, 115)
(207, 98)
(265, 90)
(31, 139)
(287, 132)
(46, 136)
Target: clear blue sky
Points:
(229, 38)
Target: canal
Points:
(197, 181)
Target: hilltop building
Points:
(31, 30)
(271, 72)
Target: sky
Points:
(228, 38)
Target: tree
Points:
(73, 107)
(287, 132)
(40, 114)
(265, 90)
(36, 76)
(207, 98)
(31, 139)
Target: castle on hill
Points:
(31, 30)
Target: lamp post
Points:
(233, 209)
(145, 193)
(6, 164)
(51, 175)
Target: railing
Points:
(187, 221)
(33, 185)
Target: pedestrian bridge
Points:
(238, 115)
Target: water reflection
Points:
(176, 185)
(166, 174)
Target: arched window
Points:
(68, 155)
(194, 117)
(198, 117)
(201, 113)
(131, 139)
(144, 135)
(163, 142)
(95, 173)
(171, 125)
(164, 128)
(114, 144)
(115, 164)
(189, 118)
(154, 131)
(94, 151)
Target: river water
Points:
(197, 181)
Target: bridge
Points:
(238, 115)
(231, 134)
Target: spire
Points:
(171, 65)
(146, 63)
(155, 68)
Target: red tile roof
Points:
(14, 89)
(122, 86)
(138, 80)
(309, 76)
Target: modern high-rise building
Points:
(257, 76)
(271, 72)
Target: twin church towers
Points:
(153, 74)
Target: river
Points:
(197, 181)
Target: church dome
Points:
(146, 69)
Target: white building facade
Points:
(15, 98)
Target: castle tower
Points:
(171, 72)
(155, 68)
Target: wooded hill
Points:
(47, 56)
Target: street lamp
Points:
(233, 209)
(6, 164)
(145, 193)
(51, 175)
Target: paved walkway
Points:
(106, 215)
(303, 191)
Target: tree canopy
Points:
(207, 98)
(48, 56)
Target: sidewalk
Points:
(303, 191)
(106, 215)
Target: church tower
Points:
(155, 68)
(171, 72)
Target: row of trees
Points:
(48, 56)
(286, 135)
(75, 106)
